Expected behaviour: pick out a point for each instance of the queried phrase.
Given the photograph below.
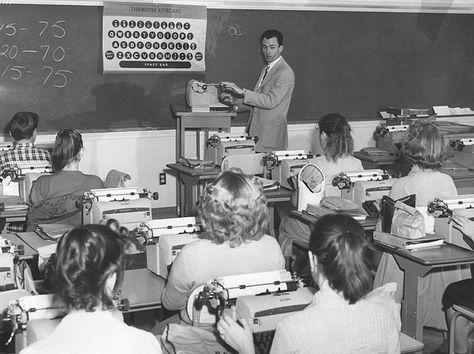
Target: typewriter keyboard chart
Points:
(143, 44)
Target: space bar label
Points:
(155, 64)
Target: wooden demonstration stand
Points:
(186, 119)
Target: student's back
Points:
(56, 198)
(331, 325)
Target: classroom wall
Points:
(144, 154)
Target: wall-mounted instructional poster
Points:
(140, 37)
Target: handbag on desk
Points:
(407, 222)
(387, 209)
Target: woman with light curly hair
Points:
(424, 148)
(234, 216)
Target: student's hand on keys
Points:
(464, 225)
(237, 334)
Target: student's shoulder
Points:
(269, 240)
(94, 179)
(44, 178)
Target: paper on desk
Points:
(20, 206)
(13, 202)
(424, 245)
(268, 184)
(52, 231)
(44, 252)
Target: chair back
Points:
(310, 183)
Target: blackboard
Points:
(348, 62)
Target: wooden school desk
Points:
(185, 119)
(416, 264)
(463, 177)
(15, 209)
(368, 224)
(191, 178)
(141, 289)
(370, 162)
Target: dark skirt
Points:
(459, 293)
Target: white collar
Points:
(272, 64)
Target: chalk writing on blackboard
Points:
(20, 60)
(235, 31)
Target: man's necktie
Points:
(267, 69)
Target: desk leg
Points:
(179, 148)
(198, 144)
(412, 314)
(191, 195)
(271, 221)
(180, 193)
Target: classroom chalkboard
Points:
(348, 62)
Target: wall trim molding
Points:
(415, 6)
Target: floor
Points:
(432, 339)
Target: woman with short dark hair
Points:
(88, 273)
(337, 144)
(57, 198)
(344, 317)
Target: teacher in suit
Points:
(270, 99)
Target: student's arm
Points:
(35, 192)
(238, 336)
(175, 295)
(464, 225)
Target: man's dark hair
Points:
(23, 125)
(272, 33)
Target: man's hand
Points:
(237, 336)
(230, 86)
(464, 225)
(228, 99)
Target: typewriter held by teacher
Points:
(204, 97)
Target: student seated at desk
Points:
(234, 216)
(57, 198)
(88, 274)
(424, 147)
(460, 293)
(22, 128)
(338, 145)
(344, 317)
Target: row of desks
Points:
(463, 177)
(415, 264)
(192, 178)
(141, 287)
